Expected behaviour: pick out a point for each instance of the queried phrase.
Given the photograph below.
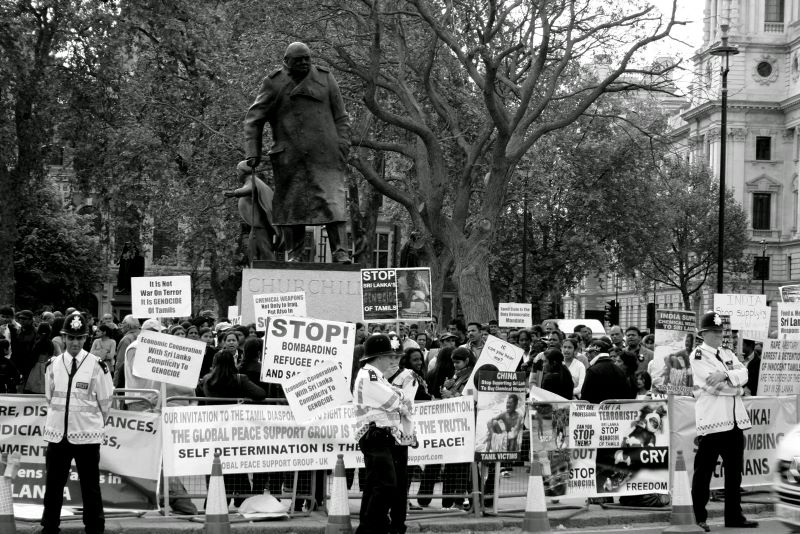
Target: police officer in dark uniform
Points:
(78, 389)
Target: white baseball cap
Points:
(153, 324)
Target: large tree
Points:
(464, 90)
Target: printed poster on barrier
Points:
(390, 295)
(124, 484)
(772, 419)
(779, 373)
(790, 293)
(294, 344)
(170, 359)
(316, 390)
(268, 439)
(161, 296)
(674, 342)
(789, 320)
(749, 313)
(515, 315)
(601, 450)
(500, 416)
(267, 305)
(496, 355)
(233, 311)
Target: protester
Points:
(753, 369)
(10, 377)
(463, 363)
(57, 340)
(643, 385)
(22, 344)
(604, 379)
(130, 328)
(443, 369)
(556, 378)
(207, 336)
(104, 347)
(569, 348)
(720, 418)
(75, 427)
(42, 351)
(382, 439)
(456, 476)
(414, 361)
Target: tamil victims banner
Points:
(592, 450)
(267, 438)
(772, 418)
(123, 483)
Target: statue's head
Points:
(297, 58)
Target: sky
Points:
(686, 38)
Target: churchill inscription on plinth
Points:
(333, 291)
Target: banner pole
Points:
(162, 402)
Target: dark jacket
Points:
(239, 387)
(252, 370)
(605, 380)
(309, 128)
(558, 382)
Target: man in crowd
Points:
(8, 326)
(720, 419)
(586, 334)
(474, 340)
(448, 340)
(130, 329)
(383, 416)
(22, 344)
(617, 339)
(633, 338)
(456, 328)
(604, 379)
(78, 390)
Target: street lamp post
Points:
(763, 263)
(723, 50)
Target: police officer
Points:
(384, 431)
(720, 418)
(78, 389)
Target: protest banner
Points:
(170, 359)
(790, 293)
(161, 296)
(316, 390)
(772, 418)
(515, 315)
(789, 320)
(496, 355)
(294, 344)
(379, 295)
(779, 373)
(123, 483)
(749, 313)
(600, 450)
(291, 304)
(500, 416)
(674, 335)
(260, 438)
(233, 311)
(414, 294)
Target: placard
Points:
(515, 315)
(496, 355)
(500, 416)
(790, 293)
(233, 311)
(749, 313)
(389, 295)
(294, 344)
(170, 359)
(674, 332)
(292, 304)
(261, 438)
(789, 320)
(779, 373)
(161, 296)
(316, 390)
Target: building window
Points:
(380, 255)
(761, 211)
(789, 267)
(773, 11)
(761, 268)
(763, 148)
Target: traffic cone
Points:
(339, 508)
(536, 521)
(682, 518)
(11, 466)
(217, 521)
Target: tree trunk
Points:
(8, 233)
(364, 208)
(471, 277)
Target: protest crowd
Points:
(573, 365)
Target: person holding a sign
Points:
(78, 388)
(384, 431)
(720, 418)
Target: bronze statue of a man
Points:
(311, 139)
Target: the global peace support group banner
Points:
(600, 450)
(261, 438)
(123, 483)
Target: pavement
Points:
(593, 517)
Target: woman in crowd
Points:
(177, 330)
(230, 342)
(443, 369)
(207, 336)
(649, 342)
(569, 348)
(414, 361)
(224, 381)
(192, 332)
(456, 476)
(58, 341)
(556, 378)
(104, 347)
(629, 362)
(643, 385)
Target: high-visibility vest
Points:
(80, 403)
(378, 402)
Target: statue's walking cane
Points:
(252, 239)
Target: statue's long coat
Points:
(309, 125)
